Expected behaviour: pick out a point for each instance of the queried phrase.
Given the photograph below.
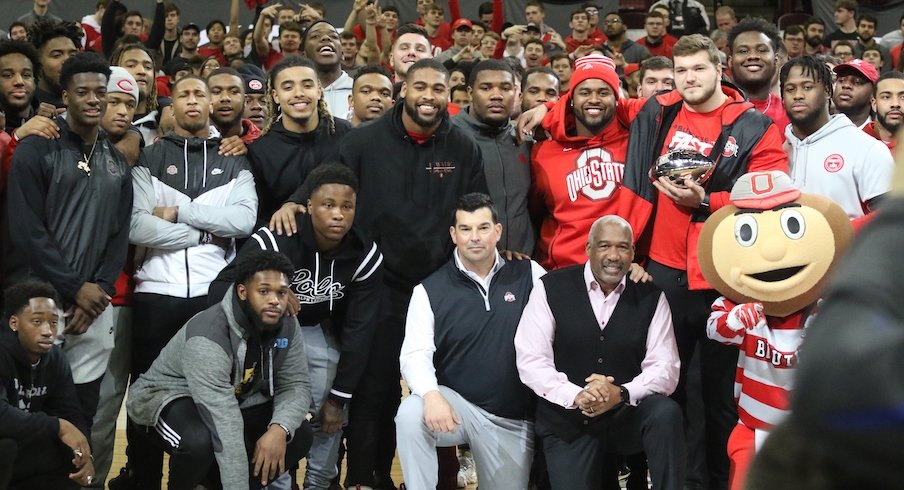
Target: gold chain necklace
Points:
(83, 164)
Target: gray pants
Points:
(322, 350)
(112, 391)
(503, 448)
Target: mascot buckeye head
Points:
(772, 245)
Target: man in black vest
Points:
(458, 359)
(601, 354)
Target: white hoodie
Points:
(842, 163)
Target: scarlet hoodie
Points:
(575, 180)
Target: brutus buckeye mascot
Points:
(769, 253)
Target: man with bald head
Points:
(591, 343)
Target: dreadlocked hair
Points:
(323, 112)
(116, 60)
(809, 67)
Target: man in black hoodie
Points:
(412, 164)
(69, 202)
(337, 283)
(38, 405)
(300, 135)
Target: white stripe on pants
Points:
(503, 448)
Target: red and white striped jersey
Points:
(764, 377)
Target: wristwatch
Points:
(625, 396)
(283, 427)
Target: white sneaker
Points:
(467, 471)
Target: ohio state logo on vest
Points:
(596, 176)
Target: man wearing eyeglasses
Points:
(616, 31)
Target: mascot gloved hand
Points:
(745, 316)
(769, 253)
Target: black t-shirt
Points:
(838, 35)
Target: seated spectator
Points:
(228, 395)
(42, 430)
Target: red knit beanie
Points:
(596, 66)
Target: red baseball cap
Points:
(458, 24)
(861, 67)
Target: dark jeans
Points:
(371, 438)
(88, 396)
(35, 464)
(156, 319)
(718, 362)
(193, 462)
(654, 425)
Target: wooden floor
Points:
(119, 454)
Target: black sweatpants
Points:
(192, 461)
(156, 319)
(718, 362)
(35, 464)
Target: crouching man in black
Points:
(42, 429)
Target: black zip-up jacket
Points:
(341, 290)
(281, 160)
(408, 190)
(66, 226)
(34, 397)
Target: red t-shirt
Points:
(664, 48)
(699, 131)
(870, 129)
(208, 51)
(895, 53)
(273, 57)
(571, 44)
(773, 108)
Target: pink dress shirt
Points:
(537, 329)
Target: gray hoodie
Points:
(506, 165)
(205, 361)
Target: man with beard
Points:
(229, 394)
(866, 37)
(506, 163)
(371, 94)
(321, 45)
(539, 86)
(19, 68)
(617, 33)
(69, 201)
(829, 155)
(227, 105)
(888, 104)
(300, 135)
(846, 20)
(708, 116)
(55, 42)
(753, 43)
(853, 91)
(794, 40)
(337, 321)
(190, 203)
(814, 29)
(586, 142)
